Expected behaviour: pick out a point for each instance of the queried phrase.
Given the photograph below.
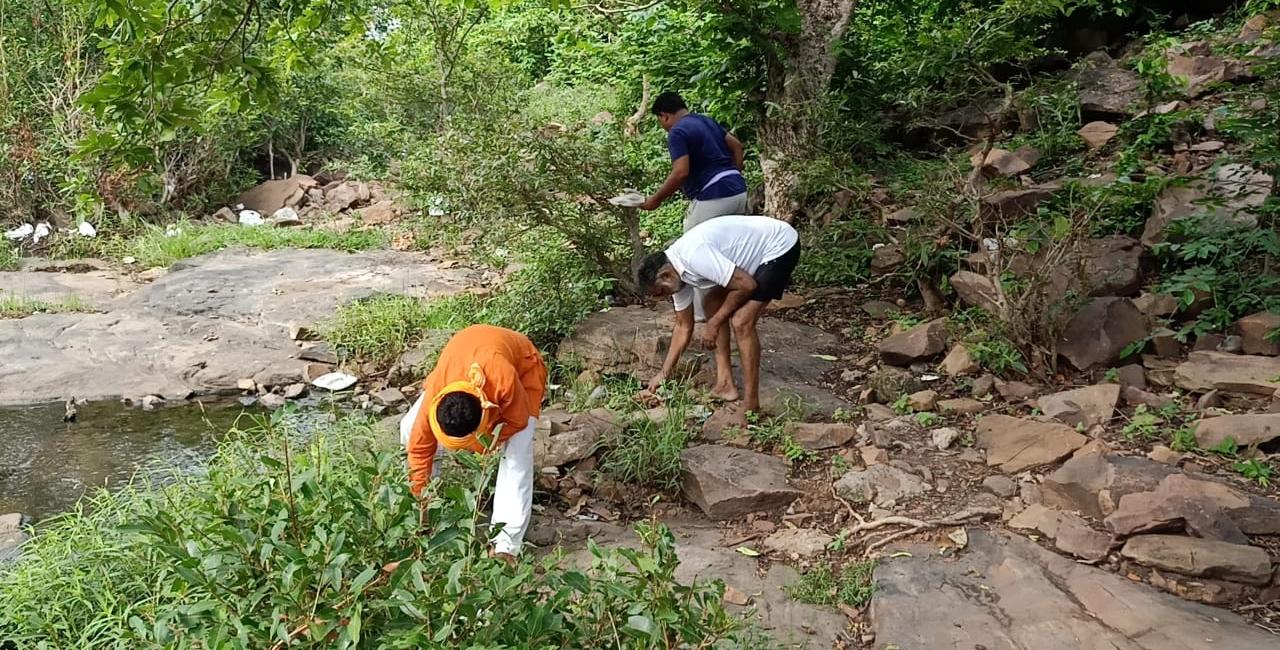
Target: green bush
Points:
(321, 545)
(9, 257)
(381, 327)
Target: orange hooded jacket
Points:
(514, 381)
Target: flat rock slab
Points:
(1245, 430)
(1204, 558)
(1092, 484)
(97, 289)
(1232, 373)
(1007, 593)
(704, 557)
(210, 322)
(1015, 444)
(728, 482)
(1088, 406)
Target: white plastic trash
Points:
(250, 218)
(21, 232)
(42, 230)
(335, 381)
(628, 199)
(286, 217)
(86, 229)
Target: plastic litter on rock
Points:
(628, 199)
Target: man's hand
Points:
(710, 332)
(651, 203)
(656, 382)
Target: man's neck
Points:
(681, 113)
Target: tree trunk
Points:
(799, 69)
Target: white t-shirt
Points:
(707, 255)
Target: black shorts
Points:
(773, 278)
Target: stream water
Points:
(46, 465)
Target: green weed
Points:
(1255, 470)
(997, 355)
(820, 585)
(648, 454)
(9, 257)
(1143, 425)
(927, 419)
(902, 405)
(1184, 439)
(164, 246)
(381, 327)
(21, 307)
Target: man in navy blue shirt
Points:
(706, 162)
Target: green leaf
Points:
(641, 626)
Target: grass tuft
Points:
(21, 306)
(821, 585)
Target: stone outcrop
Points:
(1100, 331)
(727, 482)
(1016, 444)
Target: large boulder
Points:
(627, 340)
(1106, 88)
(1016, 444)
(1204, 371)
(1199, 70)
(1204, 507)
(1204, 558)
(1245, 430)
(1112, 265)
(270, 196)
(920, 342)
(1092, 484)
(12, 536)
(728, 482)
(561, 438)
(345, 195)
(1100, 331)
(1011, 205)
(977, 290)
(1087, 406)
(1230, 199)
(1256, 329)
(1005, 592)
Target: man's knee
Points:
(744, 323)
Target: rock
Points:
(976, 290)
(999, 485)
(902, 216)
(12, 537)
(302, 333)
(271, 196)
(1100, 331)
(890, 382)
(1199, 73)
(887, 257)
(1155, 305)
(1077, 538)
(1255, 330)
(916, 344)
(961, 405)
(1016, 444)
(959, 362)
(1229, 200)
(1206, 508)
(1010, 205)
(295, 391)
(561, 438)
(272, 401)
(414, 364)
(802, 542)
(1096, 134)
(1106, 88)
(1039, 518)
(347, 194)
(1164, 343)
(320, 353)
(881, 484)
(1136, 396)
(982, 386)
(1230, 373)
(1132, 375)
(872, 455)
(250, 218)
(723, 420)
(1087, 407)
(1209, 342)
(999, 162)
(878, 308)
(313, 371)
(1232, 344)
(335, 381)
(1007, 593)
(878, 412)
(726, 482)
(1112, 266)
(1245, 430)
(1014, 391)
(1200, 557)
(1165, 455)
(1254, 28)
(247, 385)
(389, 397)
(285, 217)
(944, 437)
(821, 435)
(380, 213)
(1092, 484)
(225, 215)
(1209, 146)
(151, 402)
(924, 400)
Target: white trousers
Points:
(512, 492)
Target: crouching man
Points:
(744, 262)
(486, 377)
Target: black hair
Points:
(647, 274)
(458, 414)
(668, 102)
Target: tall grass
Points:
(321, 545)
(22, 306)
(8, 257)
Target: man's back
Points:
(703, 140)
(707, 254)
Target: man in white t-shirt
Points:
(744, 262)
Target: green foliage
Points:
(1255, 470)
(322, 544)
(838, 254)
(1143, 425)
(902, 405)
(381, 327)
(156, 246)
(9, 257)
(1228, 447)
(21, 306)
(927, 418)
(996, 354)
(820, 585)
(647, 453)
(770, 433)
(1184, 439)
(1231, 265)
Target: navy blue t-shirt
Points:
(702, 140)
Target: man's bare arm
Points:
(681, 334)
(679, 172)
(735, 147)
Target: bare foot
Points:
(505, 557)
(726, 393)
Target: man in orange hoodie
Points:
(486, 377)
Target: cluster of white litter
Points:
(39, 231)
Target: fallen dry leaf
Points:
(735, 597)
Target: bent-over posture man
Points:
(486, 376)
(744, 262)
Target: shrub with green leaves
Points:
(321, 545)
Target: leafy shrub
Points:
(381, 327)
(321, 545)
(837, 255)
